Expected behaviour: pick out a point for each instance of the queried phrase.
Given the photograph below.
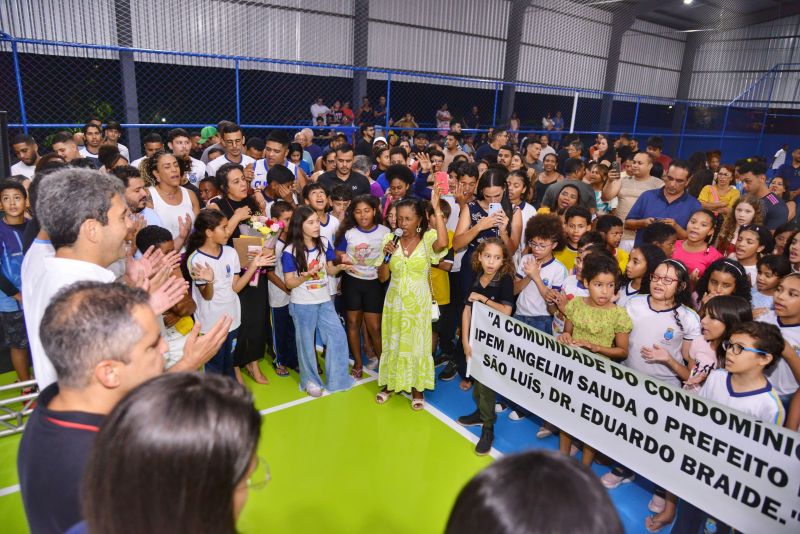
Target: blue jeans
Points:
(283, 340)
(222, 362)
(543, 323)
(309, 318)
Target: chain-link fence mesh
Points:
(160, 64)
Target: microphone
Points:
(398, 233)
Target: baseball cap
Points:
(206, 133)
(381, 139)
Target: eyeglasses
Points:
(260, 476)
(737, 348)
(534, 245)
(665, 279)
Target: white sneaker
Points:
(313, 390)
(544, 432)
(657, 504)
(498, 408)
(372, 364)
(612, 481)
(516, 416)
(573, 451)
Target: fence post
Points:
(724, 127)
(574, 112)
(636, 116)
(683, 128)
(388, 102)
(22, 115)
(238, 95)
(494, 112)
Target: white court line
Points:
(372, 376)
(309, 398)
(9, 490)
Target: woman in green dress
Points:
(406, 361)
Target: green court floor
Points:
(340, 463)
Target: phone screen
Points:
(443, 181)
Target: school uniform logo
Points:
(227, 271)
(669, 334)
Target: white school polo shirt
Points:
(762, 403)
(225, 299)
(780, 375)
(530, 302)
(651, 327)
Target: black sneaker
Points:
(449, 372)
(485, 443)
(473, 419)
(441, 359)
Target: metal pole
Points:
(238, 99)
(766, 113)
(724, 127)
(574, 112)
(683, 128)
(636, 116)
(22, 115)
(388, 101)
(494, 112)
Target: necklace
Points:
(407, 248)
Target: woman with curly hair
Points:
(746, 210)
(175, 205)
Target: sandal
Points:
(356, 372)
(417, 404)
(383, 396)
(280, 370)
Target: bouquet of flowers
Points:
(265, 228)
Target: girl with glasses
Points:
(662, 320)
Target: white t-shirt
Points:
(452, 222)
(762, 403)
(780, 375)
(780, 159)
(572, 288)
(528, 211)
(277, 297)
(260, 172)
(86, 154)
(652, 327)
(365, 249)
(752, 272)
(545, 151)
(213, 166)
(328, 231)
(137, 162)
(124, 152)
(314, 290)
(625, 293)
(225, 300)
(25, 170)
(529, 301)
(197, 172)
(43, 275)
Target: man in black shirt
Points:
(490, 150)
(103, 340)
(364, 147)
(358, 183)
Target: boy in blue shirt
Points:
(13, 198)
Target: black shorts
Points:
(12, 330)
(362, 295)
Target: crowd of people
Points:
(220, 251)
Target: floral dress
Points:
(406, 361)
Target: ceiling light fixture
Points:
(687, 2)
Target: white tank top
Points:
(170, 214)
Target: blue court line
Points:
(516, 436)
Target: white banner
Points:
(742, 471)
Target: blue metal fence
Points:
(58, 85)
